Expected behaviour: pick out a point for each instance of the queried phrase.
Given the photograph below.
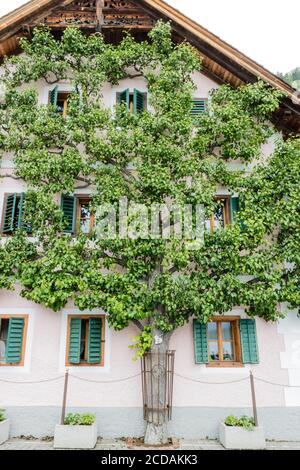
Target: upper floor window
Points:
(220, 218)
(136, 102)
(59, 99)
(224, 213)
(12, 339)
(85, 340)
(13, 213)
(78, 214)
(199, 106)
(85, 217)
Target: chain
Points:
(32, 381)
(211, 383)
(105, 381)
(191, 379)
(276, 384)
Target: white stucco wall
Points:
(46, 351)
(289, 328)
(46, 340)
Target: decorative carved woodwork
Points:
(85, 13)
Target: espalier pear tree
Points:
(159, 156)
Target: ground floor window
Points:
(226, 341)
(12, 339)
(224, 345)
(85, 340)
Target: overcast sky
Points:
(265, 30)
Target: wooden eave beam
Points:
(13, 22)
(160, 8)
(213, 48)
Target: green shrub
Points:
(244, 422)
(80, 419)
(2, 415)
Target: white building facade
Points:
(36, 347)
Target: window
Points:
(223, 342)
(226, 342)
(224, 214)
(13, 213)
(59, 99)
(12, 339)
(221, 215)
(135, 101)
(78, 214)
(199, 106)
(85, 341)
(85, 217)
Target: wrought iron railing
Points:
(157, 386)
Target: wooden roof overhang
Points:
(220, 61)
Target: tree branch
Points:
(11, 176)
(138, 324)
(50, 82)
(173, 270)
(134, 76)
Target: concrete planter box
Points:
(4, 430)
(235, 437)
(75, 437)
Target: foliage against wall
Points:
(160, 282)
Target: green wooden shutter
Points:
(14, 340)
(95, 336)
(28, 226)
(199, 107)
(74, 341)
(200, 342)
(20, 209)
(138, 101)
(68, 206)
(234, 207)
(9, 213)
(54, 96)
(249, 341)
(124, 97)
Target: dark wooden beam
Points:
(9, 30)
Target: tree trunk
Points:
(157, 427)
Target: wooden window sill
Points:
(84, 364)
(2, 364)
(225, 364)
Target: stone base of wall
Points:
(281, 424)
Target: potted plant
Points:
(241, 433)
(79, 431)
(4, 427)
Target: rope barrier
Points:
(123, 379)
(211, 383)
(276, 384)
(31, 381)
(105, 381)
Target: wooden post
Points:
(63, 410)
(253, 398)
(99, 14)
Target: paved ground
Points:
(115, 444)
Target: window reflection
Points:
(220, 336)
(220, 217)
(227, 352)
(3, 338)
(85, 218)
